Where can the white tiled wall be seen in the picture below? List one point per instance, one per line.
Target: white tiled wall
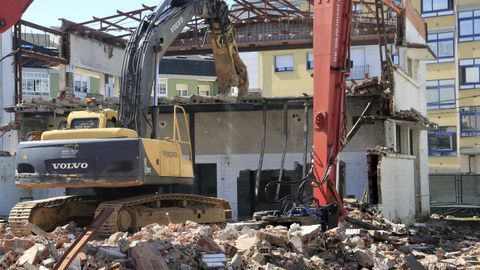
(357, 174)
(229, 167)
(397, 188)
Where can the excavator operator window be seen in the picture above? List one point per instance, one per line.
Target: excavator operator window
(84, 123)
(111, 123)
(62, 125)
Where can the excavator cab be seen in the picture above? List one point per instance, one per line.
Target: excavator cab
(93, 119)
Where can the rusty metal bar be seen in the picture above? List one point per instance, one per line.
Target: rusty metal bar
(133, 12)
(45, 57)
(82, 240)
(43, 28)
(17, 47)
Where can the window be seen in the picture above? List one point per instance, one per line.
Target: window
(310, 60)
(81, 85)
(442, 44)
(469, 25)
(204, 90)
(62, 125)
(432, 8)
(469, 73)
(84, 123)
(36, 84)
(357, 8)
(284, 63)
(181, 90)
(398, 139)
(470, 121)
(109, 86)
(162, 88)
(443, 143)
(441, 94)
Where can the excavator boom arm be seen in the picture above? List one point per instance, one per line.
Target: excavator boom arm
(150, 42)
(331, 48)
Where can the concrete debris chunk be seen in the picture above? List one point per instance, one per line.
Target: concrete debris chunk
(146, 257)
(48, 262)
(363, 259)
(9, 259)
(275, 238)
(110, 253)
(31, 255)
(213, 261)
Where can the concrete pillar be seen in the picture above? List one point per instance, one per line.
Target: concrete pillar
(9, 140)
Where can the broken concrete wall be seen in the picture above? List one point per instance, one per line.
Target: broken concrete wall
(369, 135)
(356, 172)
(95, 55)
(408, 93)
(396, 176)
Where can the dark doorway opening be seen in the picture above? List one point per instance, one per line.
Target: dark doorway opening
(205, 182)
(206, 179)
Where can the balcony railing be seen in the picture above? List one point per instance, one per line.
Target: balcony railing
(358, 72)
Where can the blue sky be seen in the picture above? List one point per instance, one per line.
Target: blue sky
(47, 12)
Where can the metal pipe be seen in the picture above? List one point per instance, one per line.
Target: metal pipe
(284, 153)
(262, 151)
(156, 110)
(305, 138)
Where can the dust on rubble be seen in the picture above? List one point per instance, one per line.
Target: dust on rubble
(364, 240)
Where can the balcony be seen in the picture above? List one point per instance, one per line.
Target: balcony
(358, 72)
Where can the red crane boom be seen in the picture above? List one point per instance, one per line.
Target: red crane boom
(11, 11)
(331, 48)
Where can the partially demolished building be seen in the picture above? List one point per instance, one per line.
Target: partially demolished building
(242, 144)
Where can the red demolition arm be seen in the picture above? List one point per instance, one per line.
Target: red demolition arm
(11, 11)
(331, 47)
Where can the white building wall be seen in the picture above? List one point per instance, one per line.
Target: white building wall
(229, 167)
(95, 55)
(412, 34)
(7, 85)
(372, 59)
(407, 93)
(251, 60)
(232, 140)
(397, 188)
(356, 172)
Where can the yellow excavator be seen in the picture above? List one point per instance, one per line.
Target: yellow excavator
(105, 155)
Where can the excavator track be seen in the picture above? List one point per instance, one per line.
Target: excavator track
(23, 212)
(135, 212)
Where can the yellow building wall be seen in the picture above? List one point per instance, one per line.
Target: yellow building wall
(468, 50)
(287, 83)
(441, 71)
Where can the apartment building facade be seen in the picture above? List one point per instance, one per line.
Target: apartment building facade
(453, 96)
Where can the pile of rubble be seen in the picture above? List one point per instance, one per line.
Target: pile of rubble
(363, 240)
